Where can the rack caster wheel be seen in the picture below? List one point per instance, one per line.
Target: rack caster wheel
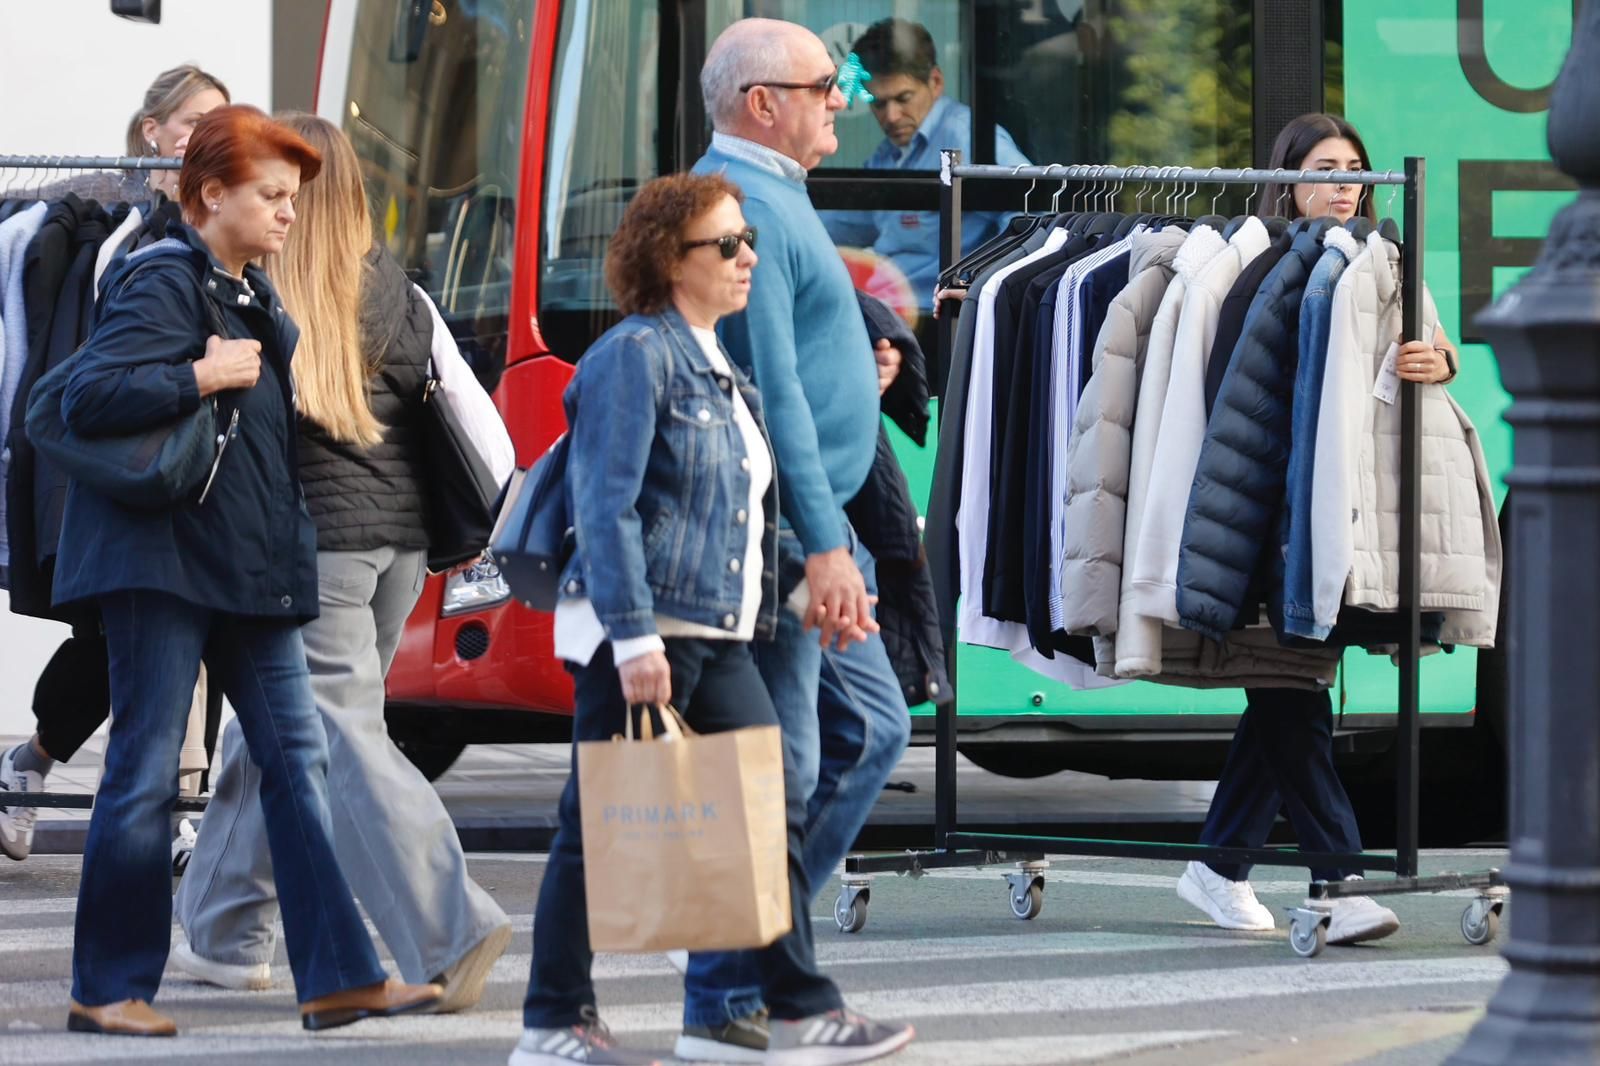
(1480, 922)
(1027, 889)
(850, 909)
(1029, 903)
(1308, 931)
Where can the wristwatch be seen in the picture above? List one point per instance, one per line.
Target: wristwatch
(1449, 362)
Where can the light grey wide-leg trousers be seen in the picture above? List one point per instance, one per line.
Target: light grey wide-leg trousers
(394, 838)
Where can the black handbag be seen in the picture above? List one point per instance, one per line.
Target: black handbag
(151, 469)
(534, 538)
(463, 494)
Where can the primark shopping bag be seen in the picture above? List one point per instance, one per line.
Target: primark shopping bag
(685, 843)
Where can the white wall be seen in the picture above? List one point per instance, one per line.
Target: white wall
(71, 75)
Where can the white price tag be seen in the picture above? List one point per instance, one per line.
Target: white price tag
(1387, 387)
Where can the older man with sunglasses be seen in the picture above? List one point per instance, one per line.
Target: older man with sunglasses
(771, 90)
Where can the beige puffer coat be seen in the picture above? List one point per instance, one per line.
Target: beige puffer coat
(1100, 449)
(1356, 474)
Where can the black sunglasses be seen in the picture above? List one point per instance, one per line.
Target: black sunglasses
(728, 243)
(821, 85)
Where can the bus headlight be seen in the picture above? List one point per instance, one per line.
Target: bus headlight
(476, 588)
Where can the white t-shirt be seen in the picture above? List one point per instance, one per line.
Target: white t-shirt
(578, 629)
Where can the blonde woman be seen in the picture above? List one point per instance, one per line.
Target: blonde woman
(365, 339)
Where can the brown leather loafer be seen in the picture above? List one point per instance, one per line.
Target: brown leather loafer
(131, 1017)
(372, 1001)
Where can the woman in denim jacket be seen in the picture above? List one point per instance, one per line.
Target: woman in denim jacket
(674, 504)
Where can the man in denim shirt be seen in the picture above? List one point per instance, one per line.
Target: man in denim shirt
(918, 120)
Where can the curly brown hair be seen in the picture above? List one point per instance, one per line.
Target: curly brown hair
(649, 239)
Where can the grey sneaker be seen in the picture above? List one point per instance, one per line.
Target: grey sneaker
(741, 1040)
(16, 823)
(834, 1038)
(588, 1042)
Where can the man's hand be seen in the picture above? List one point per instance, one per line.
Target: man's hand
(840, 606)
(889, 360)
(646, 679)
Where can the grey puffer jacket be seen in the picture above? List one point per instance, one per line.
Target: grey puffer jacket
(1100, 448)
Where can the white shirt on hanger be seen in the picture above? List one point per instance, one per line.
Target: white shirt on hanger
(972, 511)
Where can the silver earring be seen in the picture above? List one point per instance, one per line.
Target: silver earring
(154, 148)
(216, 207)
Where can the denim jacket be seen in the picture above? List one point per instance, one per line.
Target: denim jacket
(658, 483)
(1316, 309)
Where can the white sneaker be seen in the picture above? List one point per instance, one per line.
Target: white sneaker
(679, 960)
(240, 978)
(16, 823)
(1231, 904)
(1359, 918)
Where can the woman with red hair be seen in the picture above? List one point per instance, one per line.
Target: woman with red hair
(227, 573)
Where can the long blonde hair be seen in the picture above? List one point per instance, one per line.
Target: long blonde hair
(320, 275)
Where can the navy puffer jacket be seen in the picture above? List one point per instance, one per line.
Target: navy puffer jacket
(1239, 483)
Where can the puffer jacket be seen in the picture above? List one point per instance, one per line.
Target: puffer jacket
(1234, 504)
(1099, 451)
(1139, 637)
(1183, 423)
(1357, 472)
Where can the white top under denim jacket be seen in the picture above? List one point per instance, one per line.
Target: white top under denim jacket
(578, 629)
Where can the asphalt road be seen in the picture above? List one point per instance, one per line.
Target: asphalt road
(1116, 968)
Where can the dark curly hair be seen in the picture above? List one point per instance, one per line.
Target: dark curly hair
(649, 239)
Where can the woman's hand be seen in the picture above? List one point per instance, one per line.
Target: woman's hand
(646, 679)
(234, 364)
(1425, 363)
(947, 294)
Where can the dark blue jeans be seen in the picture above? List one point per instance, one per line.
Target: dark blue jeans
(124, 921)
(845, 725)
(716, 687)
(1282, 757)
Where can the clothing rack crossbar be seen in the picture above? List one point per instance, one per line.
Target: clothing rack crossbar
(89, 162)
(1203, 175)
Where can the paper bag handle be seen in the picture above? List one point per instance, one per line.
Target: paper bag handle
(672, 724)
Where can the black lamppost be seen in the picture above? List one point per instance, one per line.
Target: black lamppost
(1546, 333)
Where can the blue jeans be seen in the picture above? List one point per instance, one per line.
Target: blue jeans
(124, 919)
(845, 724)
(717, 687)
(1282, 756)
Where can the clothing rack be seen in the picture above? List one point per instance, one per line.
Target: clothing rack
(954, 848)
(76, 800)
(89, 162)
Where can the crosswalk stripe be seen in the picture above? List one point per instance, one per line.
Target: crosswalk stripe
(513, 969)
(1139, 990)
(1059, 1050)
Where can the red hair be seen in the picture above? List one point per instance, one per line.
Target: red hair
(225, 145)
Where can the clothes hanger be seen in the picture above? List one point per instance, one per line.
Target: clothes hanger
(1017, 229)
(1214, 220)
(1388, 229)
(1237, 221)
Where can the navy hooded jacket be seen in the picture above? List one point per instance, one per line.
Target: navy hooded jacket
(250, 548)
(1239, 483)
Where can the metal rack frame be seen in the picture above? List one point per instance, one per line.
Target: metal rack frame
(1309, 923)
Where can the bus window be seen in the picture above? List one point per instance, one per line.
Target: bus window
(1048, 81)
(602, 148)
(434, 107)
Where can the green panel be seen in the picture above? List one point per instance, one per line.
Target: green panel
(1405, 90)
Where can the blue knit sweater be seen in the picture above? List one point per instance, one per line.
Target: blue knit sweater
(803, 340)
